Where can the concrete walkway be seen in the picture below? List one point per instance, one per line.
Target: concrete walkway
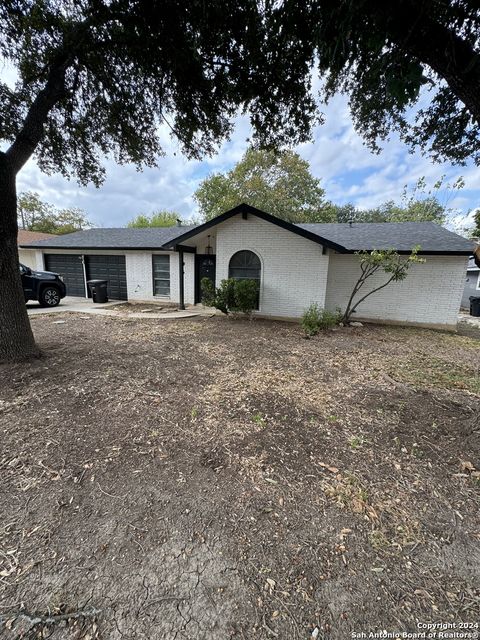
(85, 306)
(468, 326)
(466, 319)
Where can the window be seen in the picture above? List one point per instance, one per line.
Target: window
(244, 265)
(161, 275)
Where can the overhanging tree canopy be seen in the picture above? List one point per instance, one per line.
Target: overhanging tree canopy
(382, 54)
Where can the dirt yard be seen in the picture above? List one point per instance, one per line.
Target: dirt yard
(211, 479)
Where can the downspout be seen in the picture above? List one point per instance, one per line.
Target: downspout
(181, 273)
(84, 275)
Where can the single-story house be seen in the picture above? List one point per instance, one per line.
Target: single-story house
(295, 264)
(472, 283)
(27, 256)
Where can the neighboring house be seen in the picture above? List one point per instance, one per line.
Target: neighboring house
(27, 256)
(295, 264)
(472, 283)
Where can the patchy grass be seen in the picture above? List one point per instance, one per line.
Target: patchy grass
(434, 371)
(211, 478)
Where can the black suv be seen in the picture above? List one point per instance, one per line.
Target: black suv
(46, 287)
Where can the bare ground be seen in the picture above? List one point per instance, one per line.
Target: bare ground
(214, 479)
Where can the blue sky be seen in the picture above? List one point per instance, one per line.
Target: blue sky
(348, 170)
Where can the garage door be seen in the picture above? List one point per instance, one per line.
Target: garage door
(111, 268)
(70, 267)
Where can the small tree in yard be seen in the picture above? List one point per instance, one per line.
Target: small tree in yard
(371, 262)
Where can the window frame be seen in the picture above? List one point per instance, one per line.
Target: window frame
(258, 279)
(155, 279)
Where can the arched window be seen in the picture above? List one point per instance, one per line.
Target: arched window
(244, 265)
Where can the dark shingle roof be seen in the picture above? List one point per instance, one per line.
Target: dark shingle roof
(401, 236)
(116, 238)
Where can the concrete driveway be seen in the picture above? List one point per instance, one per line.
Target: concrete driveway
(70, 304)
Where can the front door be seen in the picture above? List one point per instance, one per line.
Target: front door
(204, 268)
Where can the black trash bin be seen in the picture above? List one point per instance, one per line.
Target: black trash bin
(98, 289)
(474, 306)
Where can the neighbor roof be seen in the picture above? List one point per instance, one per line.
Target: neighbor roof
(343, 237)
(115, 238)
(25, 237)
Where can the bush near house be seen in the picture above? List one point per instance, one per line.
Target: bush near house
(315, 319)
(232, 296)
(208, 292)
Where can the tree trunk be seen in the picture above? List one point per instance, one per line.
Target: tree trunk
(16, 337)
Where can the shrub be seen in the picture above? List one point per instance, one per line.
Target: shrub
(234, 296)
(315, 319)
(207, 289)
(246, 295)
(225, 296)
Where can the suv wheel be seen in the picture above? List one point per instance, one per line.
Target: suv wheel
(49, 297)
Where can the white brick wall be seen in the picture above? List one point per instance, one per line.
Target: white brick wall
(140, 280)
(40, 265)
(430, 294)
(294, 271)
(27, 257)
(139, 273)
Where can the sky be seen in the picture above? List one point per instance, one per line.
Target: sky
(349, 172)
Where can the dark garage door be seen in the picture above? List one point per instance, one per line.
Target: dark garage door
(70, 268)
(111, 268)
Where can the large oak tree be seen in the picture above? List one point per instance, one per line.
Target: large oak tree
(96, 78)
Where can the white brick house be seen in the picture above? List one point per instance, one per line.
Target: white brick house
(294, 264)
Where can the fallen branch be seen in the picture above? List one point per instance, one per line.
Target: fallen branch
(34, 620)
(110, 495)
(396, 383)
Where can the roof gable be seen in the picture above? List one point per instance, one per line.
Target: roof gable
(247, 209)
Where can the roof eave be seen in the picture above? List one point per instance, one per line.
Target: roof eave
(407, 252)
(91, 248)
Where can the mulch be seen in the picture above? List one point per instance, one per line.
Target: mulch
(216, 478)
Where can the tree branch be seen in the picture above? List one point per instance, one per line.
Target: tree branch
(32, 131)
(370, 293)
(54, 90)
(412, 27)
